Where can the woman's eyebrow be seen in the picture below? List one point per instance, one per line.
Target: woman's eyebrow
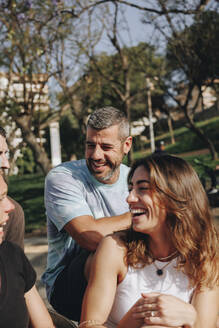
(143, 181)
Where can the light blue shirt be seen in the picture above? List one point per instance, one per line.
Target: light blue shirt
(71, 191)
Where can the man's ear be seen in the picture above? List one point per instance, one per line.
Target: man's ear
(127, 145)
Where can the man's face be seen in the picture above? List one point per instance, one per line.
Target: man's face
(4, 154)
(104, 153)
(6, 205)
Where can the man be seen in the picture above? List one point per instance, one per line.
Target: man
(85, 200)
(160, 148)
(14, 228)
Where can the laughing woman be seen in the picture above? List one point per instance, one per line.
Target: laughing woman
(164, 271)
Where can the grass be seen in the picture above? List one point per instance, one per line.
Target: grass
(187, 141)
(28, 190)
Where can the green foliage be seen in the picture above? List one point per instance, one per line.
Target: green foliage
(26, 163)
(195, 50)
(186, 140)
(28, 190)
(104, 80)
(72, 138)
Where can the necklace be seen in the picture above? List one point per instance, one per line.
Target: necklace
(159, 271)
(167, 257)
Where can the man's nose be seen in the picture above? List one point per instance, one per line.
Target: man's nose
(97, 153)
(9, 206)
(4, 163)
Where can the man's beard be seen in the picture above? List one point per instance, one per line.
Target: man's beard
(113, 169)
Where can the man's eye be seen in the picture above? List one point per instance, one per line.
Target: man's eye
(107, 147)
(90, 146)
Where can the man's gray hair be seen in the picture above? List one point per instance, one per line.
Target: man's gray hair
(106, 117)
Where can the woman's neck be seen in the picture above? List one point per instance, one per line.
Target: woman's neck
(161, 246)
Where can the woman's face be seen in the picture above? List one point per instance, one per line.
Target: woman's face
(148, 215)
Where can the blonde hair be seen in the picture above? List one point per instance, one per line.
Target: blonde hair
(189, 219)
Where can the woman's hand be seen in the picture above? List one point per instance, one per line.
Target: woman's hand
(164, 310)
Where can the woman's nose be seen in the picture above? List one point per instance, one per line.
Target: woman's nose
(132, 197)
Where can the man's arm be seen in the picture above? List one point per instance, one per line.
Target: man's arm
(88, 232)
(67, 206)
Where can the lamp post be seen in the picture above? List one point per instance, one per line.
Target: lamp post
(149, 87)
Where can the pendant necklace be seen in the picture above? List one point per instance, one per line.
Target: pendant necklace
(159, 271)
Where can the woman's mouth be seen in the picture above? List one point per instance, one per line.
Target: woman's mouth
(138, 211)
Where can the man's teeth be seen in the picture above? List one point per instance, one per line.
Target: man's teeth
(96, 164)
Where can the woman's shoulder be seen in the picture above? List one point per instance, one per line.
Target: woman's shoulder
(111, 253)
(112, 246)
(116, 241)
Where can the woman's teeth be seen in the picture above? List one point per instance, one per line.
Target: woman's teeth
(138, 211)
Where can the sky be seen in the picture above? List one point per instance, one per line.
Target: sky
(138, 31)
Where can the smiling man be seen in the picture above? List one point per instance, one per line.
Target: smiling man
(85, 200)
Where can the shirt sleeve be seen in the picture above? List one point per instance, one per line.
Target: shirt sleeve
(23, 266)
(29, 274)
(65, 198)
(14, 229)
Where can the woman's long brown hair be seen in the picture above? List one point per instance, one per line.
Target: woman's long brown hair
(177, 187)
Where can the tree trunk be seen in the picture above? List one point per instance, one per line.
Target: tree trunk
(170, 126)
(127, 100)
(40, 155)
(203, 137)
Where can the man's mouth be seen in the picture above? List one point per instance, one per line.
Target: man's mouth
(98, 164)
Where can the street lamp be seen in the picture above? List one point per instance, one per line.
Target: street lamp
(149, 87)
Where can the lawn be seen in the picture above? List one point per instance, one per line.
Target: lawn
(28, 190)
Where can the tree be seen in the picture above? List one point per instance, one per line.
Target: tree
(119, 78)
(192, 55)
(189, 29)
(30, 31)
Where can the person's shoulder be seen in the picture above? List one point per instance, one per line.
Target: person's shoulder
(114, 242)
(18, 207)
(67, 168)
(124, 170)
(12, 249)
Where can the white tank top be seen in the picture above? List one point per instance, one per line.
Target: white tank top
(146, 280)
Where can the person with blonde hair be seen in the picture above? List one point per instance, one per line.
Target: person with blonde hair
(164, 270)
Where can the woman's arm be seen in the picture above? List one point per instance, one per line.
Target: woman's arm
(108, 268)
(206, 304)
(39, 316)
